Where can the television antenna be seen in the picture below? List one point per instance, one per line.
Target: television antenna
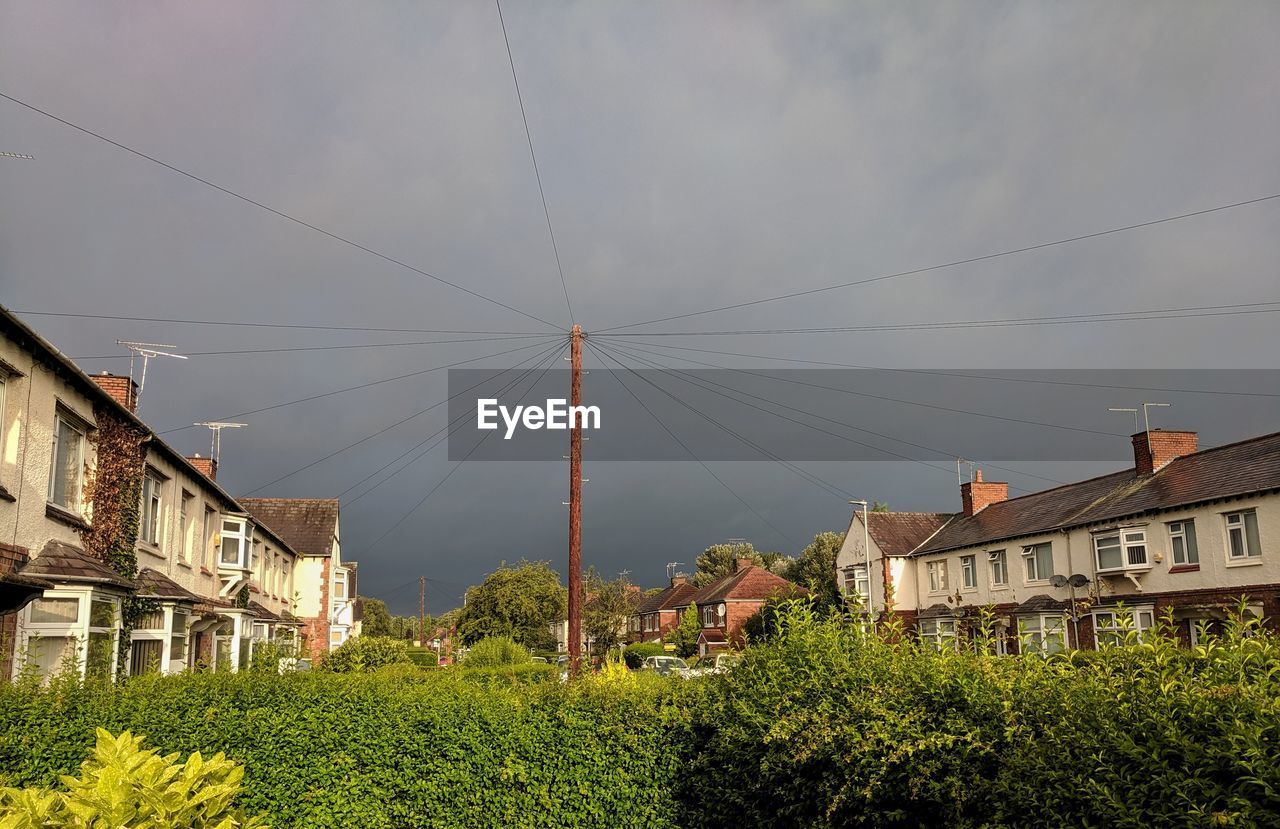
(216, 426)
(146, 351)
(4, 154)
(671, 569)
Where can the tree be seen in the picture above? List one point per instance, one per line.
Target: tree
(378, 621)
(606, 607)
(521, 602)
(685, 634)
(716, 561)
(815, 569)
(879, 506)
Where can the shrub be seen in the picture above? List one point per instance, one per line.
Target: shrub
(493, 651)
(526, 673)
(635, 655)
(123, 786)
(366, 653)
(424, 657)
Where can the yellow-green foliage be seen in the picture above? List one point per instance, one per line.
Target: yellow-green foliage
(124, 786)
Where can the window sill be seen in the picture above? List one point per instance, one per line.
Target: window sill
(1185, 568)
(64, 516)
(1252, 561)
(151, 550)
(185, 564)
(206, 571)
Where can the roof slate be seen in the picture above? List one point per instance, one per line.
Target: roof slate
(155, 585)
(898, 533)
(308, 525)
(752, 583)
(668, 598)
(1243, 468)
(59, 561)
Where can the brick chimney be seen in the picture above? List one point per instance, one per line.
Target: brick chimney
(679, 580)
(978, 494)
(208, 466)
(1154, 449)
(123, 389)
(740, 564)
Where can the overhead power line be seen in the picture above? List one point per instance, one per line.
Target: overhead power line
(238, 323)
(534, 156)
(335, 347)
(1067, 319)
(951, 264)
(286, 216)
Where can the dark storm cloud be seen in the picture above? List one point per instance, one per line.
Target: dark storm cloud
(694, 155)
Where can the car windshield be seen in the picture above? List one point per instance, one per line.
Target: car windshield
(670, 662)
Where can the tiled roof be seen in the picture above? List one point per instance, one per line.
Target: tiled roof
(712, 636)
(262, 613)
(668, 598)
(935, 611)
(63, 562)
(898, 533)
(155, 585)
(308, 525)
(1040, 603)
(751, 582)
(1243, 468)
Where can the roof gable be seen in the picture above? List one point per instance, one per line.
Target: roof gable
(308, 525)
(751, 583)
(898, 533)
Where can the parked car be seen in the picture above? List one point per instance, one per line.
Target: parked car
(666, 666)
(539, 660)
(719, 664)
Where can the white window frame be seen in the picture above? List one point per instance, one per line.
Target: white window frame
(1237, 525)
(969, 572)
(186, 525)
(339, 578)
(857, 583)
(74, 490)
(1031, 561)
(78, 631)
(1111, 626)
(239, 531)
(151, 525)
(1130, 542)
(1182, 534)
(999, 564)
(937, 572)
(939, 632)
(1033, 629)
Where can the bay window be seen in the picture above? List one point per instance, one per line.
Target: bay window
(940, 633)
(235, 543)
(1043, 634)
(1119, 550)
(73, 629)
(1113, 627)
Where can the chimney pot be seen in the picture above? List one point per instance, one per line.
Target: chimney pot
(978, 494)
(741, 564)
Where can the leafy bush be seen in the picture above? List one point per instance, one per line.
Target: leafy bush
(528, 672)
(635, 655)
(123, 786)
(424, 657)
(494, 651)
(366, 653)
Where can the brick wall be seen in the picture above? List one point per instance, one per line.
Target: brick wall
(977, 495)
(123, 389)
(316, 628)
(11, 558)
(1163, 447)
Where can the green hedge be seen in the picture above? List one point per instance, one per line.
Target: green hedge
(820, 726)
(393, 749)
(635, 655)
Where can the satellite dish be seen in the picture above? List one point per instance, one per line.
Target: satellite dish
(1078, 580)
(1058, 581)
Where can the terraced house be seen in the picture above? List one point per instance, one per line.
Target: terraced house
(95, 508)
(1184, 531)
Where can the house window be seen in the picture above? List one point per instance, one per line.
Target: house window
(66, 478)
(235, 543)
(186, 526)
(937, 576)
(286, 590)
(1043, 634)
(71, 630)
(857, 583)
(941, 633)
(969, 572)
(1113, 627)
(150, 529)
(178, 636)
(1242, 535)
(208, 532)
(712, 615)
(1121, 550)
(1039, 559)
(1182, 542)
(999, 568)
(335, 637)
(340, 585)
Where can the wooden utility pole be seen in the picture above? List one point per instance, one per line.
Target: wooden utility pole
(575, 504)
(422, 611)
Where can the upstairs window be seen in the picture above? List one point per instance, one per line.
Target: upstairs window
(149, 531)
(1182, 542)
(66, 477)
(969, 572)
(340, 585)
(235, 543)
(1242, 535)
(209, 533)
(186, 526)
(999, 568)
(1121, 550)
(937, 576)
(859, 585)
(1039, 561)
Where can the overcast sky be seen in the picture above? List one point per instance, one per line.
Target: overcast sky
(693, 155)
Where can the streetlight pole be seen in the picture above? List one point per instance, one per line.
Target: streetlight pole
(866, 556)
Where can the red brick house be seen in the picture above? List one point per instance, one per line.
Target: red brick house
(659, 614)
(727, 603)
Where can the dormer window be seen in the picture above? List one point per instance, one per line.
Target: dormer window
(235, 543)
(1120, 550)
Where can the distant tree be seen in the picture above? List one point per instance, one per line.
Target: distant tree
(778, 563)
(378, 621)
(716, 561)
(879, 506)
(685, 634)
(815, 568)
(521, 602)
(606, 606)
